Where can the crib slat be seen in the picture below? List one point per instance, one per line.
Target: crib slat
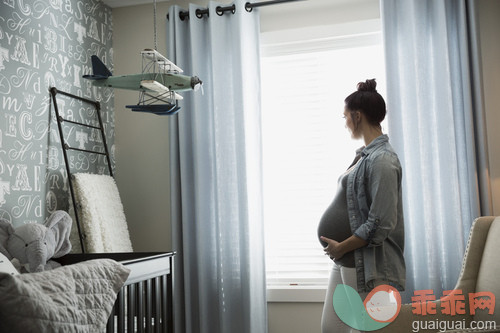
(121, 311)
(140, 307)
(110, 326)
(130, 308)
(170, 298)
(148, 302)
(157, 304)
(163, 297)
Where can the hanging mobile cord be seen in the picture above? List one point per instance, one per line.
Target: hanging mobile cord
(154, 22)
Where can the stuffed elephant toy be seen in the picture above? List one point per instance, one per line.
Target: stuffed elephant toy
(33, 245)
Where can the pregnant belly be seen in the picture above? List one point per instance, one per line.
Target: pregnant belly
(334, 223)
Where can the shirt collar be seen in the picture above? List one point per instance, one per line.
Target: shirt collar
(380, 140)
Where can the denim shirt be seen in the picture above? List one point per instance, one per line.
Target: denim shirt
(375, 207)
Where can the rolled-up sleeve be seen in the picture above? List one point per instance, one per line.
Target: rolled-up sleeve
(382, 188)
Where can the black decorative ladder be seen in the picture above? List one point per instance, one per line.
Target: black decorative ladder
(66, 147)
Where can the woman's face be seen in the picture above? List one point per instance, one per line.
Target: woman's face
(350, 123)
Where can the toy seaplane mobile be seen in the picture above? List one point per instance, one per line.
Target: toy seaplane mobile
(158, 84)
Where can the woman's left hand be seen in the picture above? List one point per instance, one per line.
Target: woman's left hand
(333, 249)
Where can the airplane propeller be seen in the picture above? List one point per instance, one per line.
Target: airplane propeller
(196, 83)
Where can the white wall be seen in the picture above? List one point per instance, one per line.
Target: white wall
(316, 13)
(142, 139)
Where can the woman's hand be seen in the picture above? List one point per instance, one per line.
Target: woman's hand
(336, 250)
(333, 249)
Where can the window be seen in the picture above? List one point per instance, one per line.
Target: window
(306, 146)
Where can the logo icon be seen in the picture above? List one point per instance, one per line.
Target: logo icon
(380, 308)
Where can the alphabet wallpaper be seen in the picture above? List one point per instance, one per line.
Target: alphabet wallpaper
(44, 44)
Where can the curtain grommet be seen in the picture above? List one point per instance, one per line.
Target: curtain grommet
(221, 10)
(201, 12)
(248, 7)
(184, 15)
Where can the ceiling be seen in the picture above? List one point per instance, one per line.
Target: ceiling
(300, 4)
(126, 3)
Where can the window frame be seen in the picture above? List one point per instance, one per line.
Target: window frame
(321, 38)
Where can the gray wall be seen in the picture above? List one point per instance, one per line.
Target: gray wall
(43, 44)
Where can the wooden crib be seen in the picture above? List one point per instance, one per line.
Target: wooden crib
(145, 302)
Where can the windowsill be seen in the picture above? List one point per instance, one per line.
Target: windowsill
(306, 294)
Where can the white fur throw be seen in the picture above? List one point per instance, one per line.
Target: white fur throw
(101, 214)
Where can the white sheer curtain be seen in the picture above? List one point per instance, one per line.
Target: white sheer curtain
(216, 174)
(435, 116)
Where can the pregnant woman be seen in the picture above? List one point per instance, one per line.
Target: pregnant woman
(362, 230)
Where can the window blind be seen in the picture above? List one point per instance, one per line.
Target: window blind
(306, 146)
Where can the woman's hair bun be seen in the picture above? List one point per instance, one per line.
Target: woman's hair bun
(367, 100)
(368, 85)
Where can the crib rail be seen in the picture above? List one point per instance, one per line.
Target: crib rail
(145, 303)
(142, 307)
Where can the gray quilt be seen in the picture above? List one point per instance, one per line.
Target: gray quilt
(73, 298)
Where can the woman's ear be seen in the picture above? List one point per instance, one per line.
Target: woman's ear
(356, 119)
(357, 115)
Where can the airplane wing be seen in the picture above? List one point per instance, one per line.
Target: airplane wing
(159, 88)
(162, 61)
(154, 86)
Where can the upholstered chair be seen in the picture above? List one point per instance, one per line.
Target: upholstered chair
(480, 273)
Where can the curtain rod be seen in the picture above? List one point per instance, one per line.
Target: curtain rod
(220, 10)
